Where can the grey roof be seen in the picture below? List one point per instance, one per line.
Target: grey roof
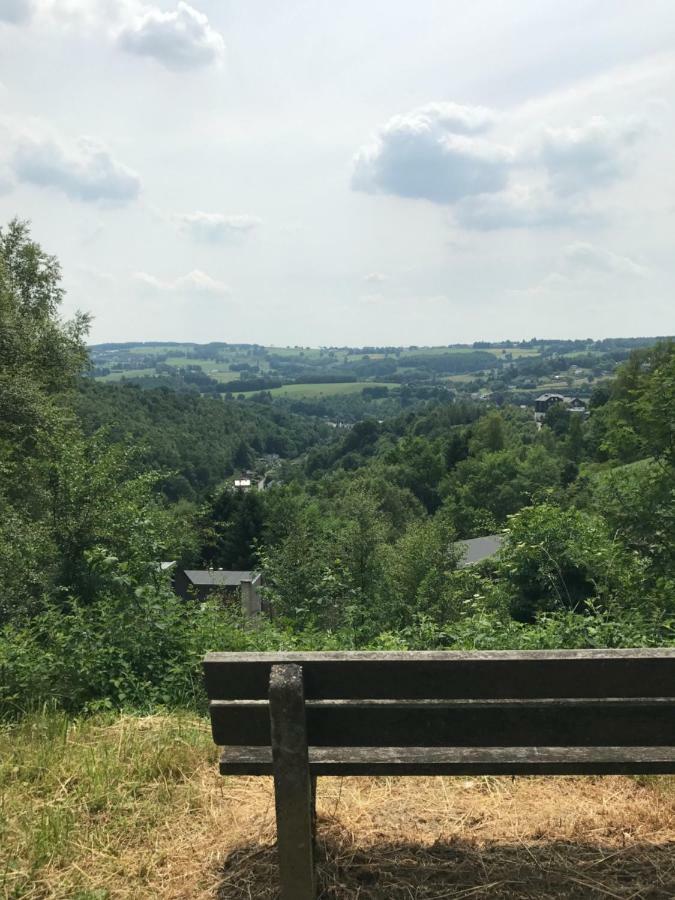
(477, 549)
(218, 577)
(550, 397)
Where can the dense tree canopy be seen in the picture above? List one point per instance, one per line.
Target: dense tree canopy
(356, 532)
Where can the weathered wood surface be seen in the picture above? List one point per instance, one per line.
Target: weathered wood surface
(462, 761)
(511, 723)
(450, 674)
(583, 712)
(293, 787)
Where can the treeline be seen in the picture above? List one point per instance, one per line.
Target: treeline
(196, 441)
(360, 538)
(356, 538)
(453, 363)
(585, 506)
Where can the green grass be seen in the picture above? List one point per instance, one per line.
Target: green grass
(517, 354)
(297, 391)
(132, 808)
(307, 352)
(582, 354)
(183, 361)
(217, 371)
(221, 374)
(463, 379)
(561, 387)
(435, 351)
(161, 348)
(178, 357)
(77, 797)
(497, 352)
(131, 373)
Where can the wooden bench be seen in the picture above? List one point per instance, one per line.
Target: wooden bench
(299, 715)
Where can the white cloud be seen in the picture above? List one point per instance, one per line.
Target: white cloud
(451, 117)
(215, 227)
(98, 276)
(433, 153)
(6, 184)
(196, 144)
(589, 156)
(583, 257)
(437, 153)
(86, 171)
(372, 299)
(409, 304)
(520, 206)
(195, 282)
(78, 14)
(566, 165)
(584, 268)
(182, 39)
(374, 278)
(16, 12)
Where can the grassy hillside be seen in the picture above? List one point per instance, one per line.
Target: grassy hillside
(297, 391)
(506, 370)
(129, 807)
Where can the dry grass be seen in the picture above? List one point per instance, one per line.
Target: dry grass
(134, 808)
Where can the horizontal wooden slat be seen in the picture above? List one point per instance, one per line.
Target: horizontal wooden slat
(462, 761)
(439, 675)
(509, 723)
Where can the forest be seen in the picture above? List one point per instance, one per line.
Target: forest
(356, 533)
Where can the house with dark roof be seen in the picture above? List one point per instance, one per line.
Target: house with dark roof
(475, 550)
(545, 401)
(200, 584)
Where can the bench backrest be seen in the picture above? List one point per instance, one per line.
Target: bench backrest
(582, 698)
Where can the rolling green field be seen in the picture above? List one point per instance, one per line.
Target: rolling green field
(461, 379)
(223, 364)
(297, 391)
(134, 373)
(220, 374)
(496, 351)
(517, 353)
(307, 352)
(182, 360)
(144, 350)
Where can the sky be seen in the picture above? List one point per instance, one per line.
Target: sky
(362, 172)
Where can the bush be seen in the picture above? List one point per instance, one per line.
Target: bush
(139, 651)
(556, 560)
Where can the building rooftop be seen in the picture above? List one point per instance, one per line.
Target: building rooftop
(548, 396)
(218, 577)
(477, 549)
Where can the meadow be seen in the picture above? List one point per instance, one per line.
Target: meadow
(124, 807)
(297, 391)
(288, 371)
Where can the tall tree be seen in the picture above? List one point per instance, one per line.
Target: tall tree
(40, 355)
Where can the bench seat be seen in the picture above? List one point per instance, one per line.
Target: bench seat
(461, 761)
(557, 712)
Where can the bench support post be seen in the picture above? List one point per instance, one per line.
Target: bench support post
(293, 787)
